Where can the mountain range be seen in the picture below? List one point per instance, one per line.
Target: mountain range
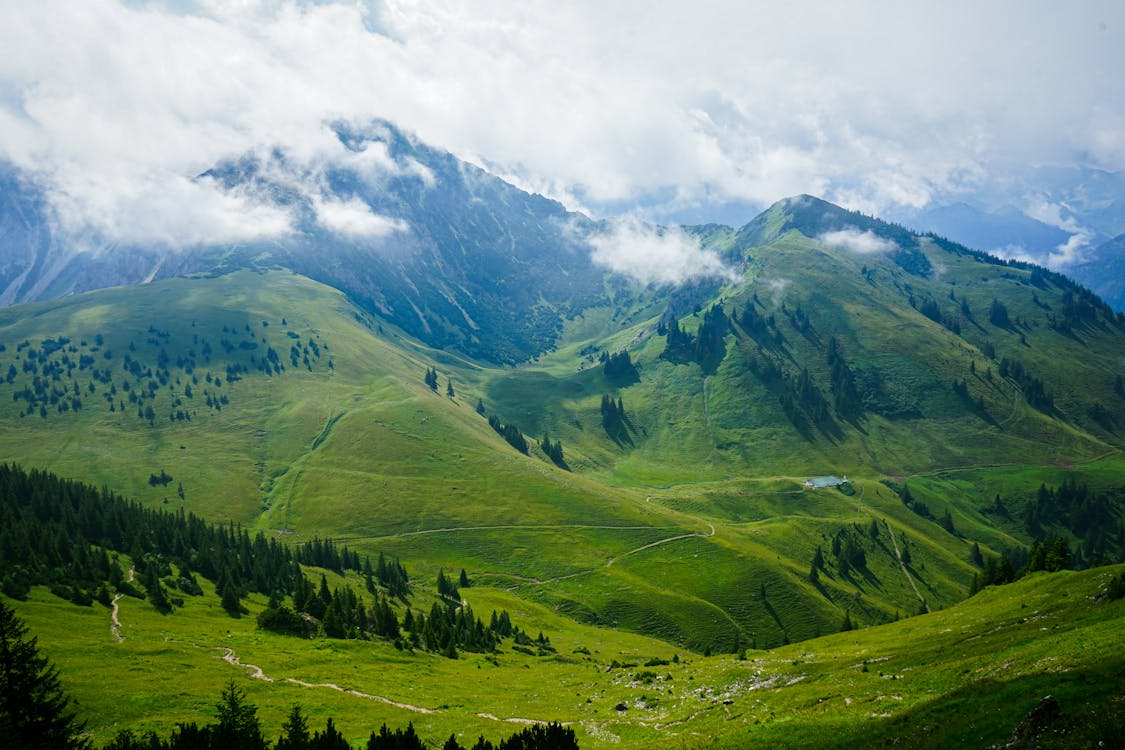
(482, 380)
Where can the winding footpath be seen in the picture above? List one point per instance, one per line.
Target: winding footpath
(612, 560)
(901, 564)
(115, 622)
(257, 673)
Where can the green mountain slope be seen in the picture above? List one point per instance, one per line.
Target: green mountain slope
(964, 677)
(687, 522)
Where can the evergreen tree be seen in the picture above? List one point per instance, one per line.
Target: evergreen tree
(975, 556)
(295, 731)
(33, 706)
(238, 727)
(449, 388)
(947, 522)
(330, 738)
(230, 599)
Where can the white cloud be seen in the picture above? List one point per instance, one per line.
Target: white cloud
(1055, 214)
(1015, 252)
(601, 105)
(653, 254)
(777, 286)
(354, 218)
(164, 211)
(853, 240)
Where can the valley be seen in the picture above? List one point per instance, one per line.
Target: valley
(634, 491)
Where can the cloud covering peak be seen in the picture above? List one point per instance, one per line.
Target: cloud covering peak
(862, 242)
(652, 254)
(601, 106)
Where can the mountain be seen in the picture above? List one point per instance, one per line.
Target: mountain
(470, 390)
(471, 262)
(1103, 270)
(848, 346)
(1008, 231)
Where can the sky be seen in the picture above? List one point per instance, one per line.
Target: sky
(664, 111)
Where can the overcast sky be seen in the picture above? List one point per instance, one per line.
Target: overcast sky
(656, 109)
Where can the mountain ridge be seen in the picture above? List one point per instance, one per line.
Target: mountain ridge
(459, 258)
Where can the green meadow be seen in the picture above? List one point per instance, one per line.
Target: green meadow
(680, 535)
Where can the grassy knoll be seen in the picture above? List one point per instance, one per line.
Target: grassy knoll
(671, 525)
(963, 677)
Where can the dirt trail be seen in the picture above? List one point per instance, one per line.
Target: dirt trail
(358, 694)
(657, 543)
(612, 560)
(256, 672)
(516, 720)
(115, 622)
(901, 564)
(514, 527)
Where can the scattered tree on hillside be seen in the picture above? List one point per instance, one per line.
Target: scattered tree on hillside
(238, 726)
(619, 369)
(509, 432)
(449, 388)
(615, 421)
(553, 451)
(947, 522)
(998, 314)
(975, 556)
(446, 587)
(845, 395)
(431, 378)
(295, 731)
(33, 706)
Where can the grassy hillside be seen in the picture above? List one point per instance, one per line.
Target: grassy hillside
(688, 523)
(964, 677)
(973, 405)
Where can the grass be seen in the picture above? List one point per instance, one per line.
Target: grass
(659, 544)
(364, 451)
(963, 677)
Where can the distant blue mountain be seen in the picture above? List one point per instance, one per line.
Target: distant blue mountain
(992, 232)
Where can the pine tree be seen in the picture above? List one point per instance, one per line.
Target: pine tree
(33, 706)
(330, 738)
(975, 556)
(295, 731)
(238, 727)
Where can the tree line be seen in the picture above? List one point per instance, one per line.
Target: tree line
(236, 727)
(36, 712)
(61, 533)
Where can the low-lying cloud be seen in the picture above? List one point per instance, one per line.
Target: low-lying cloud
(856, 241)
(140, 95)
(652, 254)
(354, 218)
(159, 210)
